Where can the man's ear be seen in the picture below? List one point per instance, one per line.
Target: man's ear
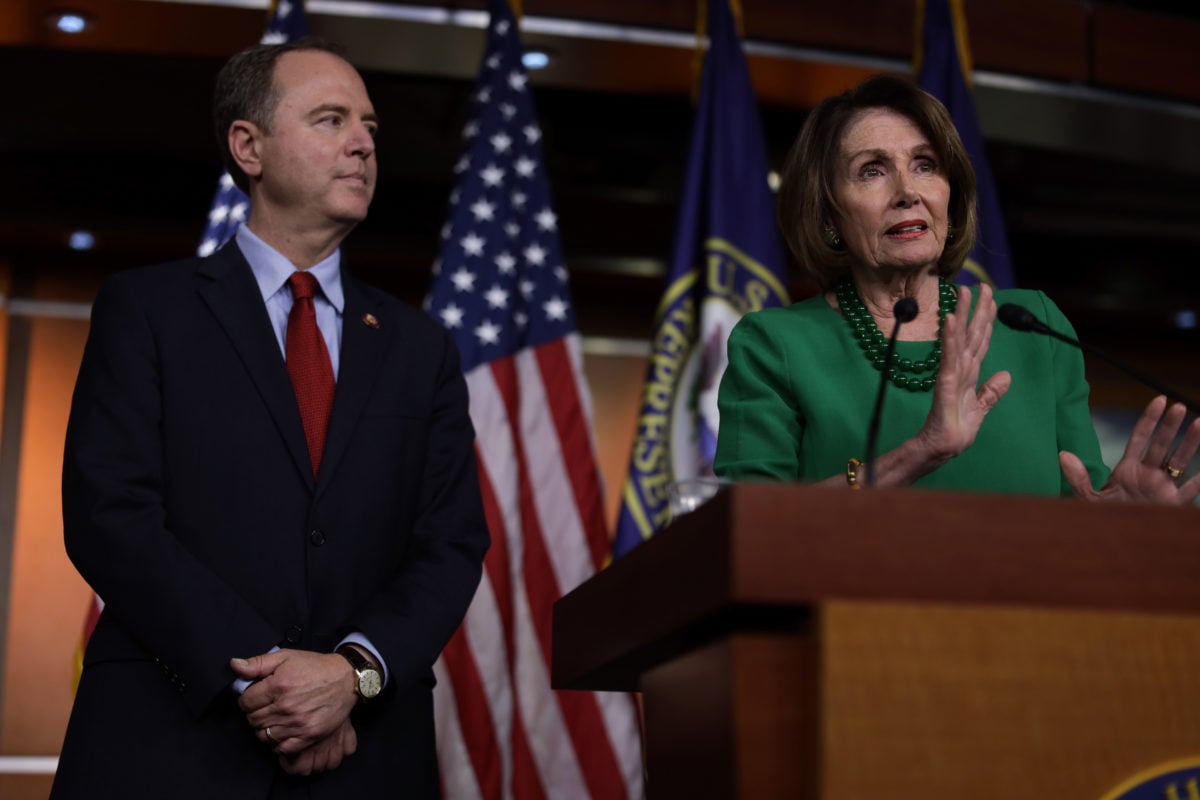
(245, 139)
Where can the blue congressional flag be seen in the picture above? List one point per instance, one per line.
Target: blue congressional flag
(943, 65)
(728, 260)
(230, 205)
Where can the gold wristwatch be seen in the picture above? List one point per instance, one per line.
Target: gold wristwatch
(368, 681)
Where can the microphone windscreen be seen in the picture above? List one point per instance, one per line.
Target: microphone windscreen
(1017, 317)
(905, 309)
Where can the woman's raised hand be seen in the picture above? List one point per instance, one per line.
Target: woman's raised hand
(959, 404)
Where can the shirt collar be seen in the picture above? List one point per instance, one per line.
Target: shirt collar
(272, 269)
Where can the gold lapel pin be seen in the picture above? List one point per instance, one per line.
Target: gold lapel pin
(370, 321)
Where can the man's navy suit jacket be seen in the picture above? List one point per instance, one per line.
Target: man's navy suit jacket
(190, 506)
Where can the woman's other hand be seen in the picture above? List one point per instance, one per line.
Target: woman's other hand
(1148, 472)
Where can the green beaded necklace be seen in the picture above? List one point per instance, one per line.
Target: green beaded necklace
(915, 376)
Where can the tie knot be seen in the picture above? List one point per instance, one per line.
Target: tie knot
(303, 285)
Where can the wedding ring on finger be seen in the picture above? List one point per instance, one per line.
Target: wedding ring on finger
(270, 738)
(1174, 472)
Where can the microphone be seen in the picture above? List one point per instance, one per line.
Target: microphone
(1020, 318)
(905, 310)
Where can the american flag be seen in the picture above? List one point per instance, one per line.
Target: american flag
(501, 287)
(230, 205)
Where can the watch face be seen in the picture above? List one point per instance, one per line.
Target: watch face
(369, 683)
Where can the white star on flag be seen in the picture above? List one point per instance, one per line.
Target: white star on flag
(452, 316)
(463, 281)
(492, 175)
(472, 244)
(501, 142)
(483, 211)
(496, 297)
(488, 332)
(555, 308)
(546, 219)
(525, 167)
(535, 255)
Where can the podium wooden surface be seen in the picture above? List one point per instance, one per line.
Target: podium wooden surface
(803, 642)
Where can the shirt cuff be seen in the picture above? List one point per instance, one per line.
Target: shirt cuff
(365, 643)
(240, 685)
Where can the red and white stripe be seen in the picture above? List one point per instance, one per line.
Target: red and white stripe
(502, 732)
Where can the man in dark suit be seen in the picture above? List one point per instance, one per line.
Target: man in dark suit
(271, 481)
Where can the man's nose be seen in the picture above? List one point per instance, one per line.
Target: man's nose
(361, 143)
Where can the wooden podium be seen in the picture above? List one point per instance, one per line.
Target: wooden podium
(802, 642)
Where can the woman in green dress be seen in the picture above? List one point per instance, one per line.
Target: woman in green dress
(877, 202)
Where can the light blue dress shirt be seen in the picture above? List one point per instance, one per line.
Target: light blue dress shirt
(271, 272)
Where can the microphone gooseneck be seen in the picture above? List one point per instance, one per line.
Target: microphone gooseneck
(1020, 318)
(905, 310)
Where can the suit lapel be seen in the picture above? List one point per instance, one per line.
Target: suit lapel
(234, 299)
(363, 347)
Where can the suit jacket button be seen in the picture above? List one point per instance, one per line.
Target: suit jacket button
(293, 634)
(317, 537)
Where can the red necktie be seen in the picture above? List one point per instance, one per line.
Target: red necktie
(309, 365)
